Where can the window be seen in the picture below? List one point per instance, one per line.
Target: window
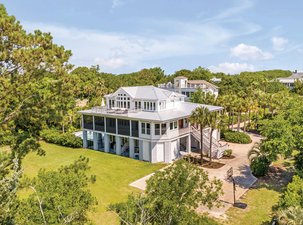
(175, 125)
(148, 128)
(143, 128)
(88, 122)
(111, 125)
(124, 127)
(157, 129)
(135, 128)
(171, 125)
(99, 123)
(163, 128)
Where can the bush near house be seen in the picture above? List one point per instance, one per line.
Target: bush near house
(260, 166)
(64, 139)
(236, 137)
(228, 153)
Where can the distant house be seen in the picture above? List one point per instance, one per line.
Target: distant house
(216, 80)
(186, 87)
(146, 123)
(290, 81)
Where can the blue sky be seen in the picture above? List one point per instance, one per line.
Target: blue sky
(128, 35)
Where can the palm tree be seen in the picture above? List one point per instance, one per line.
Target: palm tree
(214, 123)
(255, 152)
(291, 216)
(200, 116)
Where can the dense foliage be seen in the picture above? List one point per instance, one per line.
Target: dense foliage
(293, 195)
(64, 139)
(58, 197)
(171, 197)
(236, 137)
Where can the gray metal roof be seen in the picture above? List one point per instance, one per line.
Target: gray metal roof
(148, 92)
(183, 110)
(296, 76)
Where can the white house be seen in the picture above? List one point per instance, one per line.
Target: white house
(186, 87)
(290, 81)
(145, 122)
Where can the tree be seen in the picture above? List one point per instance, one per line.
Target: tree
(58, 197)
(9, 182)
(201, 97)
(214, 123)
(31, 68)
(259, 162)
(293, 195)
(200, 116)
(291, 215)
(171, 197)
(279, 137)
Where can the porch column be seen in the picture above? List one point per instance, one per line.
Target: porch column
(118, 145)
(188, 144)
(84, 139)
(131, 148)
(106, 143)
(95, 139)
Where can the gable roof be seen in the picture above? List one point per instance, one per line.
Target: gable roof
(147, 92)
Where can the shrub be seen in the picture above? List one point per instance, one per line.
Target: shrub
(236, 137)
(299, 161)
(64, 139)
(228, 153)
(293, 195)
(259, 166)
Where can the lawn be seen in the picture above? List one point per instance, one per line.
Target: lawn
(114, 173)
(259, 208)
(263, 197)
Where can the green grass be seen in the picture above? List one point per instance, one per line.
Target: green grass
(259, 208)
(114, 174)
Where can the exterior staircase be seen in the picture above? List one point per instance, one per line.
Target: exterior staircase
(217, 148)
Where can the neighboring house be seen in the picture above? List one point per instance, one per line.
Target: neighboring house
(186, 87)
(290, 81)
(216, 80)
(145, 122)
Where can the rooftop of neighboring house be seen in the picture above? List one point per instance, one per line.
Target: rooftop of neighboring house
(295, 76)
(201, 82)
(187, 83)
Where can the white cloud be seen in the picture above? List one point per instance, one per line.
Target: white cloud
(124, 52)
(249, 52)
(117, 3)
(279, 43)
(232, 68)
(242, 6)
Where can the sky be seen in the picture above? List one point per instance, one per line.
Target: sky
(124, 36)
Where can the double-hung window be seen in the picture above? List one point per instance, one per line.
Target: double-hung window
(157, 129)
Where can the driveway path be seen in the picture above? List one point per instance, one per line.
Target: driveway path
(242, 175)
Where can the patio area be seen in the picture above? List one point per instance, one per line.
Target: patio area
(241, 173)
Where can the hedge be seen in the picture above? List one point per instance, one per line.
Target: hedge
(236, 137)
(64, 139)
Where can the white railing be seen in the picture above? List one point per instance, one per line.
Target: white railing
(217, 148)
(115, 110)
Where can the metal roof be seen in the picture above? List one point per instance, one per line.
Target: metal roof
(182, 110)
(147, 92)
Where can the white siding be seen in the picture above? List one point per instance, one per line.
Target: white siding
(174, 150)
(146, 151)
(160, 152)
